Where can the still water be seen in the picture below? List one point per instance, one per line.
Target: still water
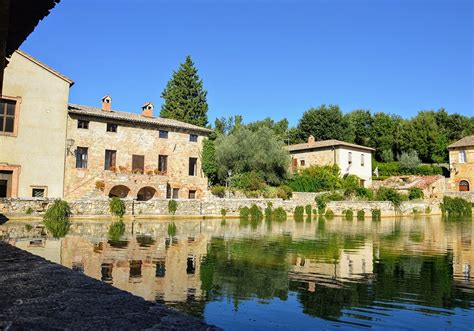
(316, 274)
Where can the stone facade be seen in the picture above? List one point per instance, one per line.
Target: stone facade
(352, 159)
(461, 161)
(132, 134)
(32, 151)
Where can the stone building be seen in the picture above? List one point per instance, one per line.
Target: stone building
(461, 163)
(351, 158)
(113, 153)
(32, 129)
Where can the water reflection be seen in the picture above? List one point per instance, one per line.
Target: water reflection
(391, 273)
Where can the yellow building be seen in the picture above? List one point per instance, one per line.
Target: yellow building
(461, 163)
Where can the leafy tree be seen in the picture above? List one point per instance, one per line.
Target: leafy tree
(185, 97)
(324, 123)
(409, 161)
(387, 155)
(280, 128)
(360, 124)
(382, 133)
(209, 163)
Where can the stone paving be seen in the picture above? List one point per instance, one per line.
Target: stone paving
(37, 294)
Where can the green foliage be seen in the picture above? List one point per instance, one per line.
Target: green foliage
(172, 206)
(360, 215)
(208, 161)
(308, 210)
(298, 214)
(279, 214)
(284, 192)
(245, 151)
(376, 214)
(409, 160)
(364, 193)
(456, 208)
(416, 213)
(387, 155)
(415, 193)
(329, 214)
(321, 203)
(316, 179)
(348, 214)
(184, 96)
(117, 207)
(218, 191)
(394, 169)
(116, 230)
(248, 181)
(390, 194)
(428, 210)
(334, 196)
(256, 214)
(172, 230)
(28, 227)
(324, 123)
(244, 213)
(223, 212)
(269, 212)
(29, 211)
(56, 218)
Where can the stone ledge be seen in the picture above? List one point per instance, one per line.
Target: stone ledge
(38, 294)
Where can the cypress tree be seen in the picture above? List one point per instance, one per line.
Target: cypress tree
(185, 98)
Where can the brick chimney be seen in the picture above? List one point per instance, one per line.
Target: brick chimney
(147, 109)
(106, 103)
(311, 140)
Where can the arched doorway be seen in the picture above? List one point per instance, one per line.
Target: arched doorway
(119, 191)
(146, 193)
(464, 186)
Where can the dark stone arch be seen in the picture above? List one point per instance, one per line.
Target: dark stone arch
(119, 191)
(146, 193)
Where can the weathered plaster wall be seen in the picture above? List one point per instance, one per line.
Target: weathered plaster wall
(43, 98)
(461, 171)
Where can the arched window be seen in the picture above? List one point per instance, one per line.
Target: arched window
(119, 191)
(464, 185)
(146, 193)
(462, 156)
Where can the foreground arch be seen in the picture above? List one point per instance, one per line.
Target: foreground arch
(146, 193)
(119, 191)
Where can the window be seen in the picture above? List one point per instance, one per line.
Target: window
(160, 268)
(362, 160)
(192, 166)
(193, 138)
(163, 134)
(81, 157)
(349, 158)
(192, 194)
(37, 192)
(462, 156)
(7, 116)
(191, 265)
(162, 164)
(176, 193)
(81, 124)
(138, 164)
(111, 127)
(302, 163)
(110, 159)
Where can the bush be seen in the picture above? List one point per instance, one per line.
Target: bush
(390, 194)
(172, 230)
(376, 214)
(321, 203)
(172, 207)
(268, 212)
(428, 210)
(28, 227)
(117, 207)
(329, 214)
(415, 193)
(116, 230)
(348, 214)
(308, 210)
(416, 212)
(223, 212)
(455, 208)
(334, 196)
(29, 211)
(395, 169)
(56, 218)
(256, 214)
(284, 192)
(360, 215)
(364, 193)
(316, 179)
(218, 191)
(244, 213)
(409, 161)
(350, 183)
(248, 181)
(279, 214)
(299, 213)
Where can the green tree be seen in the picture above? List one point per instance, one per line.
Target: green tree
(185, 97)
(208, 158)
(382, 133)
(324, 123)
(360, 124)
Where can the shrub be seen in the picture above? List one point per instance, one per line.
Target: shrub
(321, 203)
(298, 213)
(172, 230)
(223, 212)
(428, 210)
(376, 214)
(329, 214)
(100, 185)
(364, 193)
(315, 211)
(284, 192)
(410, 160)
(172, 207)
(350, 183)
(334, 196)
(387, 155)
(360, 215)
(28, 227)
(116, 230)
(279, 214)
(316, 179)
(455, 208)
(117, 207)
(308, 210)
(218, 191)
(248, 181)
(390, 194)
(268, 212)
(252, 194)
(244, 213)
(415, 193)
(416, 212)
(256, 214)
(56, 218)
(29, 211)
(348, 214)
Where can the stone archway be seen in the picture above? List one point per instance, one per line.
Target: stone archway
(146, 193)
(119, 191)
(464, 186)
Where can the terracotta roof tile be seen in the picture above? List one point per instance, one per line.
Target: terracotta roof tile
(325, 143)
(464, 142)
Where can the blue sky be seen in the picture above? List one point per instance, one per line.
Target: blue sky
(274, 58)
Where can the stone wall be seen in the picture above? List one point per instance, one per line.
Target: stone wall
(469, 196)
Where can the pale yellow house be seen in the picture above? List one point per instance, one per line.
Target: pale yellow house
(33, 120)
(461, 163)
(352, 159)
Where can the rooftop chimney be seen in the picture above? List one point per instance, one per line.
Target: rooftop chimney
(311, 140)
(106, 103)
(147, 109)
